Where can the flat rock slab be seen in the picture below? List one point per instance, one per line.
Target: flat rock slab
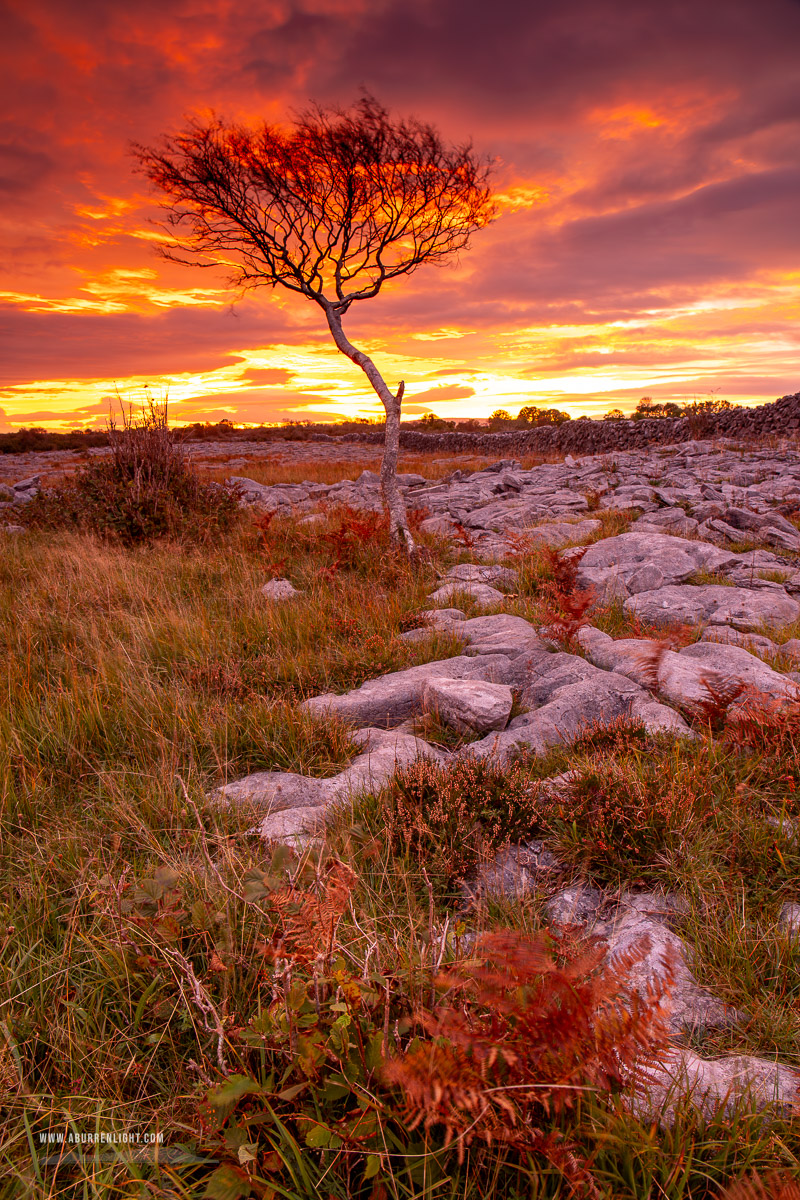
(482, 593)
(668, 520)
(390, 700)
(679, 677)
(713, 1085)
(756, 643)
(715, 604)
(501, 515)
(501, 633)
(296, 798)
(556, 534)
(483, 573)
(620, 558)
(439, 526)
(469, 705)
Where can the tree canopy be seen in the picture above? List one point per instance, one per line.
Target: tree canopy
(332, 208)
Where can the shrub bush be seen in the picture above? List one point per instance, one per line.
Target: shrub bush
(145, 489)
(449, 817)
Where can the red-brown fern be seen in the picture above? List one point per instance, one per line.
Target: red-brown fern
(308, 920)
(648, 662)
(566, 605)
(762, 723)
(714, 708)
(462, 535)
(522, 1038)
(777, 1186)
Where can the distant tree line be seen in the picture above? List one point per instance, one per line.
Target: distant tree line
(647, 408)
(22, 440)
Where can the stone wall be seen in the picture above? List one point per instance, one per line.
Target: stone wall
(598, 437)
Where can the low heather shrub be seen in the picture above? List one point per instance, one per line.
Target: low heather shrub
(449, 817)
(145, 489)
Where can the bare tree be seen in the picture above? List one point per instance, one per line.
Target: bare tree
(331, 208)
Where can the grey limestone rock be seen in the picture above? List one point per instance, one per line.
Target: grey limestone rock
(667, 520)
(279, 589)
(644, 920)
(737, 662)
(275, 791)
(391, 699)
(745, 609)
(23, 486)
(576, 905)
(573, 706)
(789, 919)
(280, 792)
(501, 515)
(501, 633)
(442, 526)
(563, 533)
(483, 573)
(645, 579)
(469, 705)
(482, 593)
(514, 872)
(791, 649)
(442, 618)
(292, 826)
(629, 553)
(713, 1085)
(746, 519)
(679, 677)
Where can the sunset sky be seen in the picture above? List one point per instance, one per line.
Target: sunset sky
(647, 164)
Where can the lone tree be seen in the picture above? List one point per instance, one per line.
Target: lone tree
(331, 208)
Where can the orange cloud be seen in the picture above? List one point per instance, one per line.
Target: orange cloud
(646, 176)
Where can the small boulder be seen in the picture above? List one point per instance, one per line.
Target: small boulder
(279, 589)
(481, 593)
(469, 705)
(789, 920)
(483, 573)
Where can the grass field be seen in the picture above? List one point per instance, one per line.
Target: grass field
(164, 973)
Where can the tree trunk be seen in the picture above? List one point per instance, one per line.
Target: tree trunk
(392, 496)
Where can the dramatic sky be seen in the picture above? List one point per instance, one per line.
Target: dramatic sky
(647, 160)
